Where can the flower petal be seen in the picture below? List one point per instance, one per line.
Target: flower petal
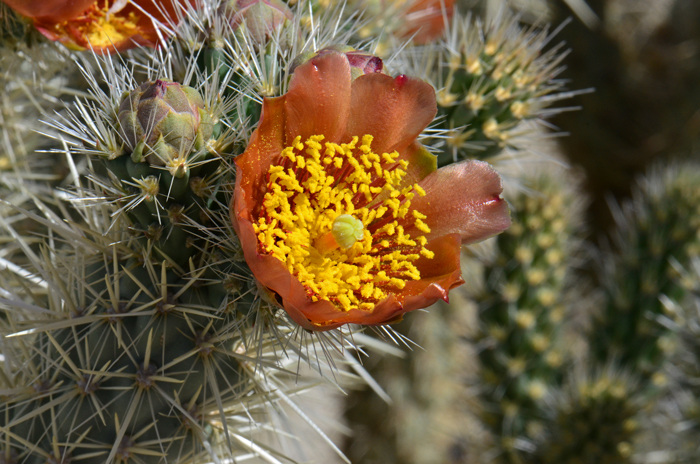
(463, 198)
(318, 100)
(393, 110)
(50, 11)
(266, 144)
(438, 275)
(323, 315)
(102, 25)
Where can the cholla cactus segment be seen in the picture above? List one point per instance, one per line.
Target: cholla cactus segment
(521, 311)
(107, 359)
(656, 235)
(130, 375)
(495, 81)
(157, 151)
(596, 421)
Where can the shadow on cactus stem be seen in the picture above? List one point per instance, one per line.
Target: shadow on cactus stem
(655, 237)
(643, 62)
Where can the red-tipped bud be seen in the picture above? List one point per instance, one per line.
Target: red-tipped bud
(361, 62)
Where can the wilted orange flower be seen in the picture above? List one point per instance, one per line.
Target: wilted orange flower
(341, 213)
(426, 19)
(102, 25)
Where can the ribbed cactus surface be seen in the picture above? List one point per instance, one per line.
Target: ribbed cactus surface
(118, 354)
(521, 309)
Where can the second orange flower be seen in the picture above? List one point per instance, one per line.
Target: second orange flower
(99, 24)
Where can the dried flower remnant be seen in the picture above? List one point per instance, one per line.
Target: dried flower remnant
(340, 211)
(99, 24)
(260, 17)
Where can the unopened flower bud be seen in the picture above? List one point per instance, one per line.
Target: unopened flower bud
(361, 62)
(164, 118)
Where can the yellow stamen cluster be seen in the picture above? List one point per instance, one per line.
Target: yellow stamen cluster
(315, 183)
(99, 28)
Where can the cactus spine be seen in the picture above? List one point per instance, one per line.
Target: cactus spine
(135, 332)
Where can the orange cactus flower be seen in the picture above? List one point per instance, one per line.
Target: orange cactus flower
(111, 25)
(341, 213)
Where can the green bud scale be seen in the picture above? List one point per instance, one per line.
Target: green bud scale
(164, 122)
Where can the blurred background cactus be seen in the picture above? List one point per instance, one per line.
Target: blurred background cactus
(521, 308)
(134, 332)
(574, 319)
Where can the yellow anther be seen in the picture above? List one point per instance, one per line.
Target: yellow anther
(422, 226)
(322, 236)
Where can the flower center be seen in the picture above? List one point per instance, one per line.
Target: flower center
(97, 27)
(336, 214)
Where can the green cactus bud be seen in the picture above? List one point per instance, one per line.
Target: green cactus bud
(162, 122)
